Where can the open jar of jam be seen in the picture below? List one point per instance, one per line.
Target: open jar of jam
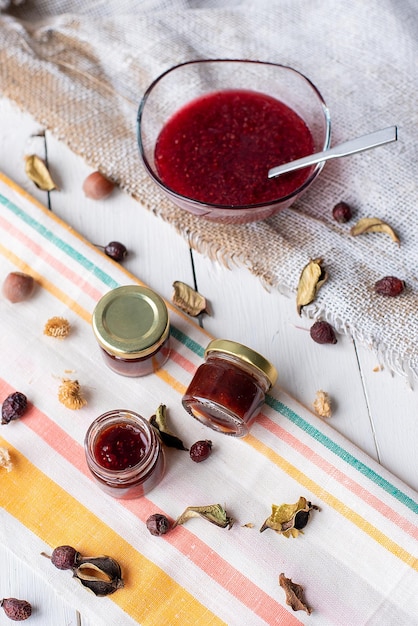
(132, 328)
(228, 390)
(124, 454)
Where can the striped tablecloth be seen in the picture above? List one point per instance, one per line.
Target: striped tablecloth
(357, 559)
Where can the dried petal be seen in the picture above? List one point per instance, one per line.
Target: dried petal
(159, 421)
(188, 300)
(57, 327)
(213, 513)
(5, 460)
(311, 279)
(102, 575)
(294, 594)
(289, 519)
(69, 394)
(373, 225)
(322, 404)
(37, 171)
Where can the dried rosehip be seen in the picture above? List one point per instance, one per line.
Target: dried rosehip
(342, 212)
(116, 251)
(200, 450)
(13, 407)
(323, 332)
(16, 610)
(389, 286)
(158, 524)
(64, 557)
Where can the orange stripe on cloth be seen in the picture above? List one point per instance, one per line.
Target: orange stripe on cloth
(334, 502)
(57, 518)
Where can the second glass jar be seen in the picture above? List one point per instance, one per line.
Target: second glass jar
(228, 390)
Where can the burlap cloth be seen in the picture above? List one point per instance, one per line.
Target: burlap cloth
(81, 69)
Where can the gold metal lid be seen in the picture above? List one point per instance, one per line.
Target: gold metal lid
(131, 321)
(246, 354)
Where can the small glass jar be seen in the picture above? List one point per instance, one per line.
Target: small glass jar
(124, 454)
(228, 390)
(132, 328)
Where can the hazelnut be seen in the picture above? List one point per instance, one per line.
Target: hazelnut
(18, 286)
(97, 187)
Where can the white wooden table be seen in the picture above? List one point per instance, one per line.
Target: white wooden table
(374, 409)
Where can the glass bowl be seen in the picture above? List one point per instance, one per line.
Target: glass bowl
(183, 86)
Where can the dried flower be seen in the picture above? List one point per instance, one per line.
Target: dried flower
(289, 519)
(38, 173)
(5, 460)
(188, 300)
(69, 394)
(159, 422)
(312, 277)
(322, 404)
(373, 225)
(294, 594)
(213, 513)
(57, 327)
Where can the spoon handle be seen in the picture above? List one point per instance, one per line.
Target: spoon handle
(366, 142)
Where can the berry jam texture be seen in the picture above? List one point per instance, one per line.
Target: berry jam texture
(119, 447)
(218, 148)
(140, 366)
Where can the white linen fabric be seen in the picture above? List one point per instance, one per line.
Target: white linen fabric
(81, 69)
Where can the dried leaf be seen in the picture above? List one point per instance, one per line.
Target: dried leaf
(57, 327)
(373, 225)
(188, 300)
(213, 513)
(69, 394)
(5, 460)
(311, 279)
(294, 594)
(159, 421)
(322, 404)
(37, 171)
(289, 519)
(102, 575)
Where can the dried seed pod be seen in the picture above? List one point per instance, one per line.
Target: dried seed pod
(342, 213)
(294, 594)
(312, 277)
(18, 286)
(289, 519)
(322, 332)
(57, 327)
(69, 394)
(16, 610)
(102, 574)
(188, 300)
(389, 286)
(97, 187)
(38, 173)
(373, 225)
(322, 404)
(214, 513)
(13, 407)
(159, 422)
(5, 460)
(158, 524)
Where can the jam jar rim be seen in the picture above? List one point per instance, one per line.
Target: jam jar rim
(101, 333)
(123, 475)
(246, 354)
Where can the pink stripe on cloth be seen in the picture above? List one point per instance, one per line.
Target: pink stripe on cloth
(337, 474)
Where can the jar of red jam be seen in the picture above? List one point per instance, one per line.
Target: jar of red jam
(228, 390)
(124, 454)
(132, 328)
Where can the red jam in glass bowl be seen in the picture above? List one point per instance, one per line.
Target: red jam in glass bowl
(228, 390)
(132, 328)
(124, 454)
(219, 148)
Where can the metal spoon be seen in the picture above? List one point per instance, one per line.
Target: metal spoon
(365, 142)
